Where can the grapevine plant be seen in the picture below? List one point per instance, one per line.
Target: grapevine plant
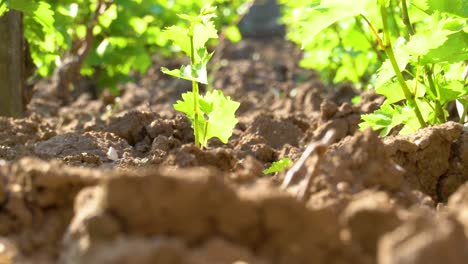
(420, 47)
(212, 114)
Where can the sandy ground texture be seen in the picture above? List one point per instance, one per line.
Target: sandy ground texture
(119, 180)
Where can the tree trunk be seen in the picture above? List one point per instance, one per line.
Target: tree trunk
(11, 64)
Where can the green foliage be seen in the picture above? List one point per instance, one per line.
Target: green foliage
(456, 7)
(212, 115)
(39, 18)
(38, 10)
(334, 42)
(125, 37)
(192, 42)
(426, 43)
(233, 34)
(278, 166)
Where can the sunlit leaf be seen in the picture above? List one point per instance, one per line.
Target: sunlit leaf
(221, 120)
(233, 34)
(219, 111)
(278, 166)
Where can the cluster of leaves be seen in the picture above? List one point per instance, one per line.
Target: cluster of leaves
(344, 49)
(426, 44)
(212, 115)
(38, 20)
(125, 37)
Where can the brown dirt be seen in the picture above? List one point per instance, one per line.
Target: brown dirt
(434, 159)
(92, 182)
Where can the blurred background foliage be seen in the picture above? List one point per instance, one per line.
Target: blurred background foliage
(125, 36)
(129, 33)
(347, 51)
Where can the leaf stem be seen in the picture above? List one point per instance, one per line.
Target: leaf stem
(416, 78)
(439, 113)
(391, 56)
(370, 40)
(205, 131)
(406, 19)
(194, 89)
(379, 40)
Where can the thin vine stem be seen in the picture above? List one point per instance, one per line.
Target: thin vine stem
(370, 40)
(406, 19)
(391, 56)
(379, 40)
(194, 90)
(439, 113)
(415, 92)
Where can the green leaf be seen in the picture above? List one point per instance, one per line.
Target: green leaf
(386, 71)
(203, 30)
(207, 12)
(205, 107)
(454, 50)
(329, 12)
(356, 99)
(278, 166)
(456, 7)
(142, 62)
(233, 34)
(39, 10)
(191, 19)
(196, 72)
(437, 40)
(221, 120)
(186, 105)
(392, 91)
(408, 118)
(202, 33)
(422, 42)
(453, 71)
(217, 114)
(179, 37)
(451, 91)
(381, 119)
(3, 9)
(181, 73)
(420, 4)
(388, 117)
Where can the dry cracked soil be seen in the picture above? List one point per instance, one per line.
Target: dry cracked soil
(90, 183)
